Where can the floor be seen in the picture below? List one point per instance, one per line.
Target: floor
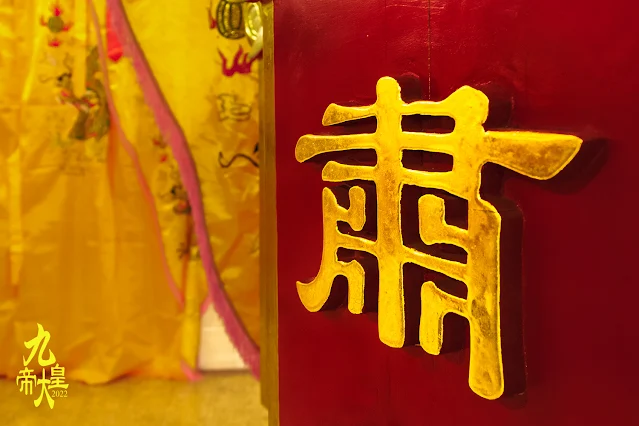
(221, 399)
(217, 353)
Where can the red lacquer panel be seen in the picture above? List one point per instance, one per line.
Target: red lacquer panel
(560, 66)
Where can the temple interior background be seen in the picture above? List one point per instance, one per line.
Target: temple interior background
(129, 212)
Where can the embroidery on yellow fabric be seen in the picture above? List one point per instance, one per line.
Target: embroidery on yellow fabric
(81, 253)
(220, 116)
(56, 23)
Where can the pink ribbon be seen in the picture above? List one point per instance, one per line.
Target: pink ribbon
(176, 139)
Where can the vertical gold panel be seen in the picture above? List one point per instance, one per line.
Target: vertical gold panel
(268, 226)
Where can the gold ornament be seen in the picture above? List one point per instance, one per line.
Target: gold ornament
(253, 27)
(230, 19)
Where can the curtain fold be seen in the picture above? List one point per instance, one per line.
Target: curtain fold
(115, 232)
(203, 91)
(80, 250)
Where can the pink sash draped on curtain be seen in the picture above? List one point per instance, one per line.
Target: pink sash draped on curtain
(121, 41)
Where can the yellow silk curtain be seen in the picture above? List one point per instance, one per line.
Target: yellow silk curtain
(172, 205)
(200, 60)
(79, 248)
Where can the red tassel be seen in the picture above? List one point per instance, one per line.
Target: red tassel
(114, 47)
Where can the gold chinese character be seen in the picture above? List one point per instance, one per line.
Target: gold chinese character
(536, 155)
(39, 342)
(44, 382)
(26, 380)
(57, 378)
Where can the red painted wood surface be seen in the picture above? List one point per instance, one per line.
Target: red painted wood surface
(568, 66)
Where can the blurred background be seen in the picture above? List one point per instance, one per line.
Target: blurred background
(129, 212)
